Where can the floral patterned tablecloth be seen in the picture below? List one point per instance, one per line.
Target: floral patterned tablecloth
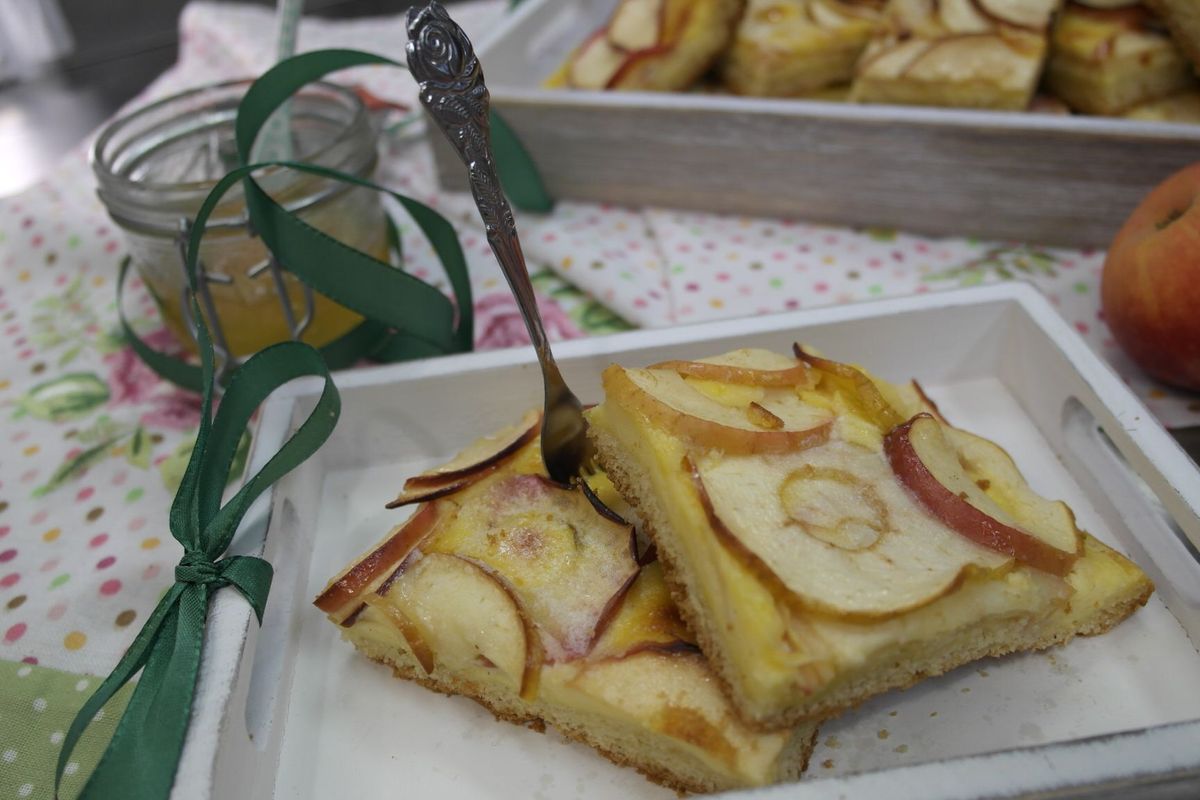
(93, 444)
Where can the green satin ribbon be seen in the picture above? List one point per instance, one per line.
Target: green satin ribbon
(141, 760)
(405, 317)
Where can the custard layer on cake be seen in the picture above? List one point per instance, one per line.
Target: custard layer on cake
(651, 45)
(788, 48)
(1105, 61)
(828, 537)
(530, 599)
(963, 53)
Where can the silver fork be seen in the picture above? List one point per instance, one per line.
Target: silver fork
(443, 62)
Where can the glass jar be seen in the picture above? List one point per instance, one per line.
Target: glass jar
(156, 166)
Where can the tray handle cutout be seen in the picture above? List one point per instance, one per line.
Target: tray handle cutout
(1132, 500)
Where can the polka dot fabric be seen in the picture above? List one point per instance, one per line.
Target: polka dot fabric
(36, 709)
(94, 443)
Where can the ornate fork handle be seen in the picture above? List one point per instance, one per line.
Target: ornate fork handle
(453, 91)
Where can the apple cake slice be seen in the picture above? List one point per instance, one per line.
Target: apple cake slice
(1105, 61)
(964, 53)
(785, 48)
(1183, 20)
(829, 537)
(651, 45)
(529, 598)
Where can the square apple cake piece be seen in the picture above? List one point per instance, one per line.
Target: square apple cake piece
(651, 45)
(1105, 61)
(962, 53)
(828, 536)
(785, 48)
(1183, 21)
(531, 599)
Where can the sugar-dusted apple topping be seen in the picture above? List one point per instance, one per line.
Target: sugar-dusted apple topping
(930, 469)
(718, 416)
(482, 452)
(532, 532)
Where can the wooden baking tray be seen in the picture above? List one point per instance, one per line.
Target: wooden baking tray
(998, 175)
(291, 711)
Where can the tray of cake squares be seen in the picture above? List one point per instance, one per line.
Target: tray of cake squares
(832, 553)
(1036, 120)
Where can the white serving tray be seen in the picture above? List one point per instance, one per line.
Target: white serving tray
(1000, 175)
(290, 711)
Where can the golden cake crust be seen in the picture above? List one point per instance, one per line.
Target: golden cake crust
(580, 632)
(1108, 586)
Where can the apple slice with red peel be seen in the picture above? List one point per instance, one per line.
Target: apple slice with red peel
(633, 61)
(670, 402)
(393, 550)
(929, 468)
(927, 402)
(473, 463)
(563, 558)
(993, 472)
(636, 25)
(1031, 14)
(459, 610)
(482, 452)
(872, 402)
(832, 530)
(596, 64)
(432, 491)
(408, 630)
(796, 375)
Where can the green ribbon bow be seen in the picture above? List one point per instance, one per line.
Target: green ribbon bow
(142, 757)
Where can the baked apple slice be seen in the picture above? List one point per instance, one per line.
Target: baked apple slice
(833, 530)
(597, 63)
(527, 528)
(734, 416)
(637, 25)
(930, 468)
(374, 567)
(469, 465)
(445, 596)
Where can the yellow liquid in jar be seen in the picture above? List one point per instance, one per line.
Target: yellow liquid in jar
(251, 314)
